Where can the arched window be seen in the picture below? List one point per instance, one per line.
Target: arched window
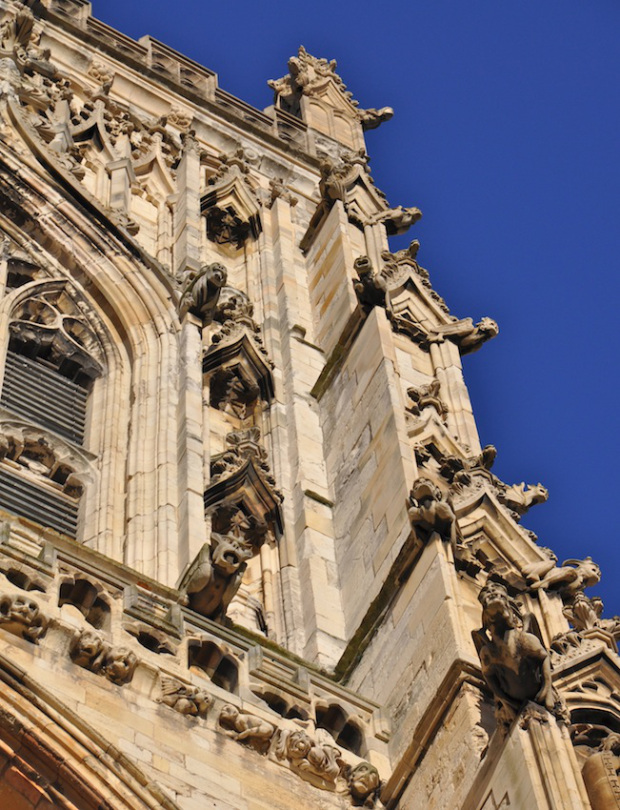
(52, 361)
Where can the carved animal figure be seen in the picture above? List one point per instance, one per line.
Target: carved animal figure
(215, 575)
(515, 664)
(370, 287)
(243, 726)
(520, 497)
(571, 578)
(426, 396)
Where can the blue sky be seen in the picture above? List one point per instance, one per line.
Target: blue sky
(506, 135)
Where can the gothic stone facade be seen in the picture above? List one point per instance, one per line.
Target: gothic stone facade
(252, 554)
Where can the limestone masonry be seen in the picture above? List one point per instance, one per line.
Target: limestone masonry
(252, 554)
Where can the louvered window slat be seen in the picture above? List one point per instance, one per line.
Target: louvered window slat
(22, 497)
(35, 392)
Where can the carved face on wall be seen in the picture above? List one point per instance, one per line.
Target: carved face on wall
(228, 553)
(497, 604)
(21, 610)
(121, 664)
(364, 780)
(298, 745)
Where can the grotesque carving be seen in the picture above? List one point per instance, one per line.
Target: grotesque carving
(202, 290)
(215, 575)
(467, 336)
(370, 287)
(119, 665)
(22, 617)
(90, 651)
(364, 784)
(426, 396)
(571, 578)
(430, 514)
(319, 758)
(277, 190)
(398, 220)
(242, 726)
(186, 699)
(515, 664)
(519, 497)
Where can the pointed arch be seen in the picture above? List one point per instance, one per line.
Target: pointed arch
(50, 757)
(133, 517)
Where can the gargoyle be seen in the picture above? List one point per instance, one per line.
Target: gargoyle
(119, 665)
(426, 396)
(520, 497)
(215, 575)
(370, 287)
(398, 220)
(430, 514)
(571, 578)
(201, 291)
(515, 664)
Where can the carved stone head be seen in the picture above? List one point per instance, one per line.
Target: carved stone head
(363, 782)
(228, 553)
(497, 605)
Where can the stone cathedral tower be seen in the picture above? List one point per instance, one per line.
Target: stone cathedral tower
(252, 554)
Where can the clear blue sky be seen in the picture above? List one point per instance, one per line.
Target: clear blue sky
(506, 134)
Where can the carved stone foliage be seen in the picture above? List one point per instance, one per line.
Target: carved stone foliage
(45, 455)
(22, 617)
(245, 727)
(242, 488)
(237, 362)
(230, 204)
(590, 629)
(316, 759)
(86, 132)
(515, 663)
(89, 650)
(426, 396)
(201, 291)
(50, 325)
(312, 76)
(185, 698)
(215, 575)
